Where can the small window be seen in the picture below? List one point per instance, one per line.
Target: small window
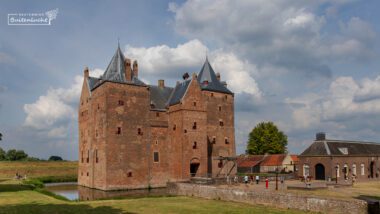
(220, 108)
(98, 106)
(214, 140)
(139, 132)
(82, 156)
(194, 103)
(185, 131)
(226, 141)
(129, 174)
(88, 174)
(121, 103)
(157, 114)
(225, 97)
(362, 169)
(88, 156)
(174, 127)
(221, 123)
(156, 142)
(96, 156)
(195, 125)
(118, 130)
(96, 132)
(220, 164)
(194, 145)
(156, 157)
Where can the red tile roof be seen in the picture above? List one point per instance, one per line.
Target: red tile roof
(294, 158)
(249, 160)
(273, 160)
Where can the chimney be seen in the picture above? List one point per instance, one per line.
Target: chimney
(86, 72)
(161, 83)
(185, 76)
(128, 71)
(218, 76)
(135, 69)
(320, 136)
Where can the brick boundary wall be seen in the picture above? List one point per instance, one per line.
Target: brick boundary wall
(273, 199)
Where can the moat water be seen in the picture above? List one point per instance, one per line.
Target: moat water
(74, 192)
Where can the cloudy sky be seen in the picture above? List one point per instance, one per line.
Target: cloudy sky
(308, 66)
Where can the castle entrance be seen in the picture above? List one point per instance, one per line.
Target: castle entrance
(194, 166)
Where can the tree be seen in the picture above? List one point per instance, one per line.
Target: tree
(55, 158)
(266, 138)
(1, 136)
(14, 155)
(3, 154)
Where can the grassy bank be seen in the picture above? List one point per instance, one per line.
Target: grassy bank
(46, 171)
(16, 198)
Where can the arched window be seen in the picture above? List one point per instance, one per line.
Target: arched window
(362, 171)
(306, 170)
(354, 169)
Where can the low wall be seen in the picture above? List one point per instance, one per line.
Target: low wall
(270, 198)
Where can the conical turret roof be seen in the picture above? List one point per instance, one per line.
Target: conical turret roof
(208, 80)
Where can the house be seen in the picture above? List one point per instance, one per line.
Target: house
(340, 159)
(136, 135)
(266, 163)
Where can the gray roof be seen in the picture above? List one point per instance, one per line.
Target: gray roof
(339, 147)
(159, 96)
(115, 72)
(178, 92)
(213, 84)
(116, 68)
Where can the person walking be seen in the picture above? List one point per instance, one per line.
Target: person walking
(266, 183)
(257, 179)
(246, 179)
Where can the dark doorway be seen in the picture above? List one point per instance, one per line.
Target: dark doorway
(371, 168)
(319, 172)
(193, 169)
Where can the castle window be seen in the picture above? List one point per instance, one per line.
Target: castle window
(226, 141)
(88, 156)
(129, 174)
(195, 125)
(98, 106)
(195, 103)
(213, 139)
(220, 164)
(156, 157)
(220, 108)
(96, 132)
(225, 97)
(82, 156)
(118, 130)
(88, 174)
(194, 145)
(157, 114)
(174, 127)
(96, 155)
(185, 131)
(221, 123)
(362, 171)
(156, 142)
(121, 103)
(139, 132)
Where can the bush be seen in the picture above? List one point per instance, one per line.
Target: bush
(35, 183)
(55, 158)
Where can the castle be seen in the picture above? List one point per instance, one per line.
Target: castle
(133, 135)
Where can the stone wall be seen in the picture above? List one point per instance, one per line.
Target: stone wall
(273, 199)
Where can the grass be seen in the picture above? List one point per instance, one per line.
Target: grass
(48, 170)
(21, 200)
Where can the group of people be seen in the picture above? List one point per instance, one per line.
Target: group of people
(246, 179)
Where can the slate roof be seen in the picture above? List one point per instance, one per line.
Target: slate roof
(115, 72)
(159, 96)
(178, 92)
(339, 147)
(208, 75)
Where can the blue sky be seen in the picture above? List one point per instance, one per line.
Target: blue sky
(308, 66)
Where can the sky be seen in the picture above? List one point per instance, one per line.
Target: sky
(308, 66)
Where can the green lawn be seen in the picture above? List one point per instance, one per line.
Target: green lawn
(16, 198)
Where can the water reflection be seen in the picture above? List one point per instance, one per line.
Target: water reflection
(72, 191)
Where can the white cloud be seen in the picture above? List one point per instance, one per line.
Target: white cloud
(163, 60)
(54, 110)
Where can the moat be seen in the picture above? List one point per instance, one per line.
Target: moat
(74, 192)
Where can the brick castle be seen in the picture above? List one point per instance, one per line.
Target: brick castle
(133, 135)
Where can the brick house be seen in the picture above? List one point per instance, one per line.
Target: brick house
(266, 163)
(134, 135)
(326, 158)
